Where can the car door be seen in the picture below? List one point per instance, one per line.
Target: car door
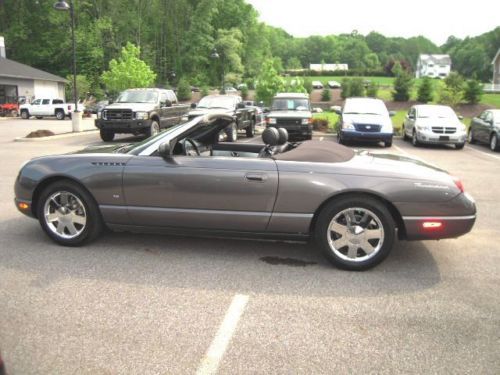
(242, 115)
(215, 193)
(483, 127)
(45, 108)
(35, 107)
(410, 121)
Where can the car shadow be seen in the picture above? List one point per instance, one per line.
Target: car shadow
(244, 266)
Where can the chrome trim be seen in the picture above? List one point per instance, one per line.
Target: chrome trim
(439, 217)
(285, 214)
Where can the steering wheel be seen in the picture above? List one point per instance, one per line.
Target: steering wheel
(189, 140)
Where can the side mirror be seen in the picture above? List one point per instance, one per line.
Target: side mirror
(240, 105)
(460, 117)
(166, 103)
(392, 113)
(193, 105)
(337, 109)
(164, 150)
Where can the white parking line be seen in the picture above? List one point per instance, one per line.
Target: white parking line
(212, 358)
(482, 152)
(401, 150)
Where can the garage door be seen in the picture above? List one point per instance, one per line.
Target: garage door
(46, 89)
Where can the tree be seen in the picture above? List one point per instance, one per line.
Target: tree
(326, 95)
(293, 64)
(357, 87)
(346, 88)
(473, 91)
(183, 90)
(296, 84)
(372, 90)
(269, 83)
(82, 87)
(425, 91)
(453, 90)
(402, 84)
(129, 71)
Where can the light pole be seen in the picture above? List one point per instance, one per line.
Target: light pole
(215, 55)
(64, 6)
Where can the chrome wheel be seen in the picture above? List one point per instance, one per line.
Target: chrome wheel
(234, 132)
(65, 215)
(470, 137)
(155, 129)
(355, 234)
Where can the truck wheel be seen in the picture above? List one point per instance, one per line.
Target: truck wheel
(232, 132)
(107, 136)
(25, 114)
(14, 113)
(60, 114)
(250, 129)
(39, 117)
(153, 130)
(388, 143)
(309, 137)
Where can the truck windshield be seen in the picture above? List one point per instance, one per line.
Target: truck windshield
(224, 102)
(138, 96)
(289, 104)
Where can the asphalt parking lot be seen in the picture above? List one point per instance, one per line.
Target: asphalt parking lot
(155, 304)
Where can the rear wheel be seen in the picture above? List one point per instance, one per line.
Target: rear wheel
(106, 135)
(250, 129)
(388, 143)
(459, 146)
(68, 214)
(494, 143)
(232, 132)
(355, 233)
(60, 114)
(39, 117)
(25, 114)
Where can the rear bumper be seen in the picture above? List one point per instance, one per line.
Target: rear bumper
(123, 126)
(353, 135)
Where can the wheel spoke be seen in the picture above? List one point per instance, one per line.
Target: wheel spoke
(60, 227)
(372, 234)
(367, 247)
(365, 220)
(340, 243)
(53, 217)
(350, 218)
(71, 228)
(353, 251)
(77, 219)
(338, 228)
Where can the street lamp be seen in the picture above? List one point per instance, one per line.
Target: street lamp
(64, 6)
(215, 55)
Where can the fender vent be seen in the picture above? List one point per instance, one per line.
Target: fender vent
(107, 164)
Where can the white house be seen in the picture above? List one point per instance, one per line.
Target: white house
(494, 86)
(434, 66)
(328, 67)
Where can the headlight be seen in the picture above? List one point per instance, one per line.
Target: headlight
(462, 127)
(347, 125)
(305, 121)
(423, 127)
(141, 115)
(99, 113)
(271, 121)
(387, 128)
(103, 115)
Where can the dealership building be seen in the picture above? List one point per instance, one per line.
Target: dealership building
(18, 80)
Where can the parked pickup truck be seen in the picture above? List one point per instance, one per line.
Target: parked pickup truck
(245, 116)
(140, 111)
(45, 108)
(291, 111)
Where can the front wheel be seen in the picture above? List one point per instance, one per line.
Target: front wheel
(68, 214)
(25, 114)
(414, 139)
(355, 233)
(470, 137)
(494, 143)
(106, 135)
(153, 130)
(459, 146)
(232, 132)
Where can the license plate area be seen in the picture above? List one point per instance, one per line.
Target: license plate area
(444, 138)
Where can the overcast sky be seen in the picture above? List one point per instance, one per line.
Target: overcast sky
(434, 19)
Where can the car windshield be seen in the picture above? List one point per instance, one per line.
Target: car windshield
(365, 107)
(137, 148)
(290, 104)
(436, 112)
(138, 96)
(224, 102)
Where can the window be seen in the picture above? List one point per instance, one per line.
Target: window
(57, 101)
(45, 101)
(36, 102)
(163, 98)
(483, 115)
(488, 117)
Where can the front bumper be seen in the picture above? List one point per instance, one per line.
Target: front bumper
(354, 135)
(24, 206)
(430, 137)
(123, 126)
(295, 131)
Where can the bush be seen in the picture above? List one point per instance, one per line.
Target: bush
(320, 124)
(326, 95)
(425, 91)
(244, 92)
(453, 91)
(204, 91)
(357, 87)
(346, 88)
(473, 91)
(402, 85)
(372, 90)
(308, 85)
(183, 90)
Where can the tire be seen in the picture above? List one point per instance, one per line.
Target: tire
(470, 137)
(153, 130)
(80, 220)
(232, 132)
(414, 140)
(388, 143)
(309, 137)
(353, 255)
(340, 140)
(14, 113)
(405, 136)
(39, 117)
(107, 136)
(250, 129)
(494, 146)
(25, 114)
(459, 146)
(60, 114)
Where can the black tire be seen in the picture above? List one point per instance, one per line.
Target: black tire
(414, 140)
(25, 114)
(360, 202)
(60, 114)
(339, 139)
(250, 129)
(470, 136)
(106, 135)
(405, 136)
(232, 132)
(39, 117)
(94, 223)
(153, 130)
(388, 143)
(494, 146)
(459, 146)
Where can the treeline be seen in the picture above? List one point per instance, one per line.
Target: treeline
(177, 39)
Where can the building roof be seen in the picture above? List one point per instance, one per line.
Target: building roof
(496, 56)
(436, 59)
(13, 69)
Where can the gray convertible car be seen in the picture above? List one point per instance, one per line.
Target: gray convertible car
(352, 203)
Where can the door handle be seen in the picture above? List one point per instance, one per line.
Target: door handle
(258, 177)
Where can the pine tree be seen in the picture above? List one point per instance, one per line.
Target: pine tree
(425, 91)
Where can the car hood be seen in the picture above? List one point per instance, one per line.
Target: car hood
(436, 121)
(288, 114)
(145, 107)
(367, 119)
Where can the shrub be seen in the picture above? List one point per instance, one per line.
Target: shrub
(204, 91)
(320, 124)
(473, 91)
(308, 85)
(402, 85)
(357, 87)
(372, 90)
(346, 88)
(183, 90)
(326, 95)
(244, 92)
(425, 91)
(453, 90)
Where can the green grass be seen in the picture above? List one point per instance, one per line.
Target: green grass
(491, 99)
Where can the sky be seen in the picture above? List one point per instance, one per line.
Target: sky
(434, 19)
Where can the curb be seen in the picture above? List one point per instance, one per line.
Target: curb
(57, 136)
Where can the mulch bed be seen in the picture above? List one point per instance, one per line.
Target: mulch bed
(40, 133)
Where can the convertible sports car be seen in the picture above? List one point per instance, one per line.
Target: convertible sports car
(183, 181)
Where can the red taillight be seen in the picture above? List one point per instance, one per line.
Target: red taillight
(69, 108)
(458, 184)
(432, 225)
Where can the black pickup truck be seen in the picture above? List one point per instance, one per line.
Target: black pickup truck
(141, 111)
(245, 116)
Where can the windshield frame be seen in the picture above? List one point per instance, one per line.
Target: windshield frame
(297, 103)
(136, 95)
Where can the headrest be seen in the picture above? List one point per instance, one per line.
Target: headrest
(271, 136)
(283, 136)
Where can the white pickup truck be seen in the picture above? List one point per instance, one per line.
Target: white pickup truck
(45, 108)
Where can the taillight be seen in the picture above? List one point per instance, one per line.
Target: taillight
(69, 108)
(458, 184)
(432, 225)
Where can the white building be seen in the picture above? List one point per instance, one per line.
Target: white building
(328, 67)
(434, 66)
